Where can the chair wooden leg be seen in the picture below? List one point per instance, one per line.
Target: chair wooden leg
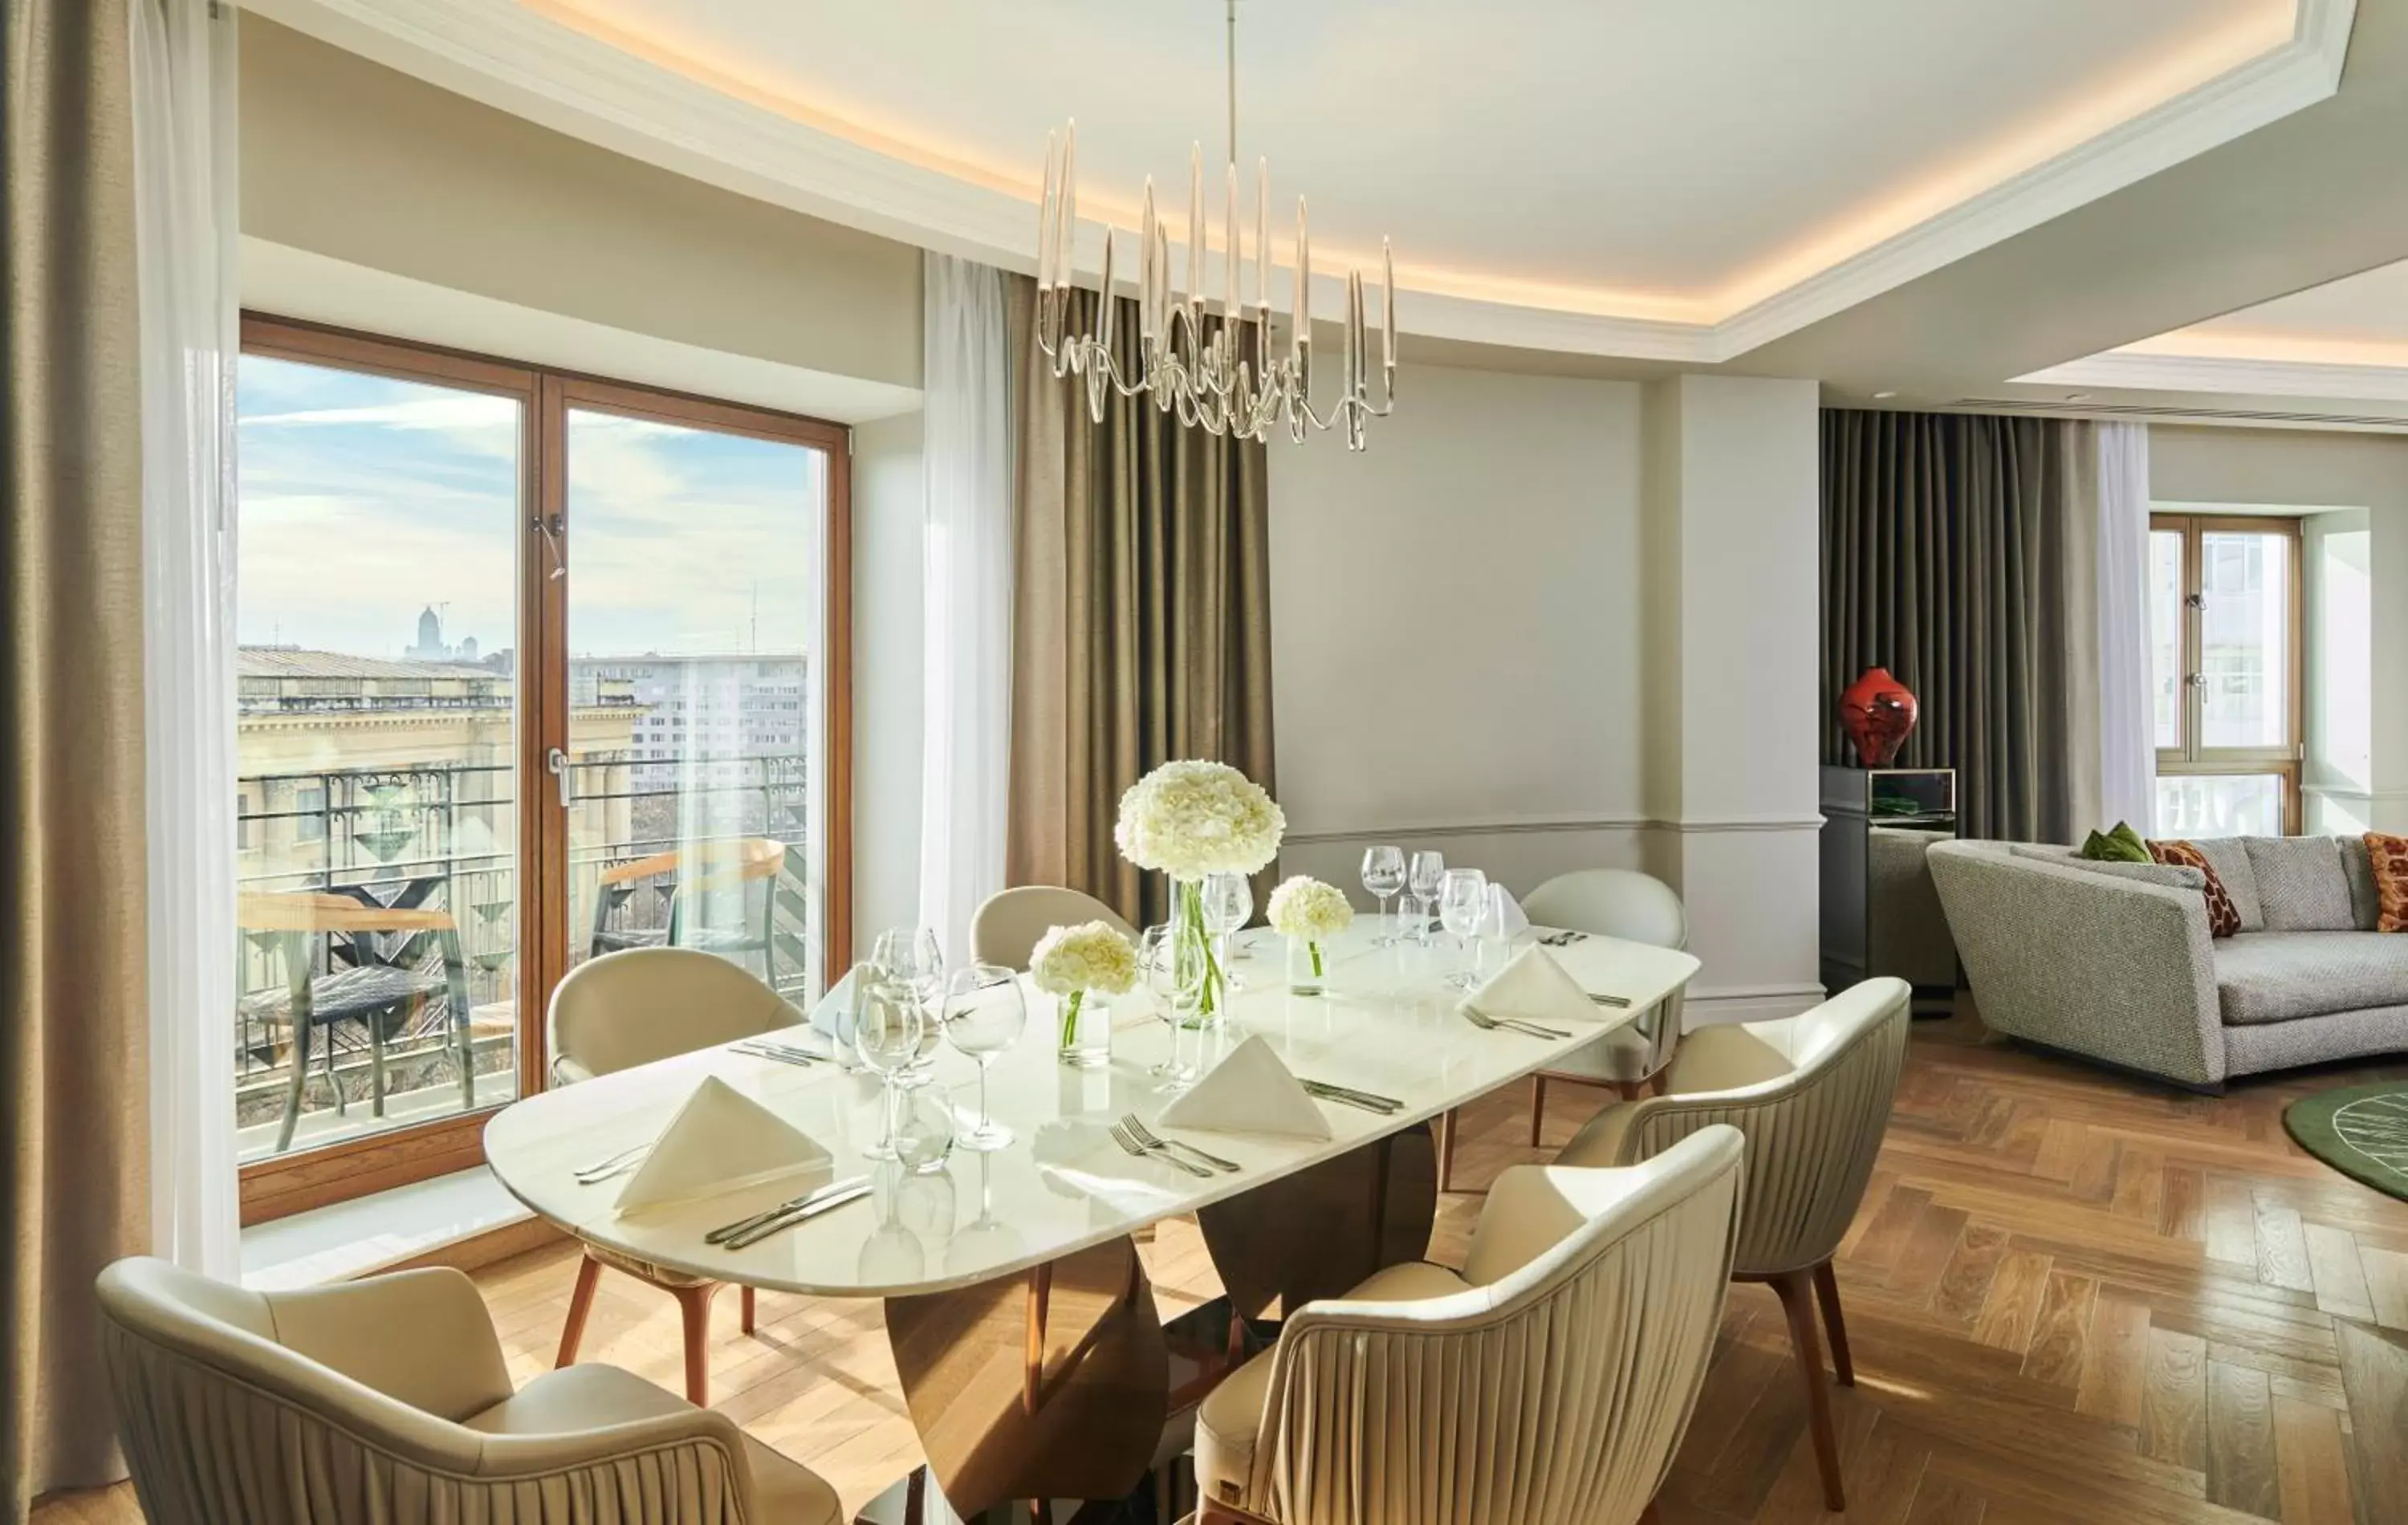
(1446, 1124)
(581, 1302)
(1629, 1090)
(695, 1303)
(1538, 1109)
(747, 1308)
(1826, 1292)
(915, 1496)
(1796, 1300)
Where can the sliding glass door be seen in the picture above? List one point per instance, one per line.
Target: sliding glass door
(530, 667)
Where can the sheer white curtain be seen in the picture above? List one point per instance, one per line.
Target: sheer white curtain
(966, 583)
(2128, 747)
(185, 225)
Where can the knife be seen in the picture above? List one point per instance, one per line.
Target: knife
(1361, 1099)
(726, 1232)
(787, 1219)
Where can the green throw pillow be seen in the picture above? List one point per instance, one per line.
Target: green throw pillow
(2121, 845)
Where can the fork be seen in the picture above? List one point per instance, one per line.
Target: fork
(1511, 1024)
(611, 1165)
(782, 1053)
(1127, 1142)
(1146, 1136)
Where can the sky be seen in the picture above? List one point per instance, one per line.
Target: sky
(364, 499)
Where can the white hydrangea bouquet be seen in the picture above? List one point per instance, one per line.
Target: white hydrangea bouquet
(1071, 961)
(1308, 913)
(1188, 819)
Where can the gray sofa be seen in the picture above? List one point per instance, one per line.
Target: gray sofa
(2113, 961)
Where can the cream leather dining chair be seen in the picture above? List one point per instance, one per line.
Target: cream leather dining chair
(631, 1008)
(1549, 1383)
(1813, 1094)
(1607, 903)
(387, 1401)
(1010, 923)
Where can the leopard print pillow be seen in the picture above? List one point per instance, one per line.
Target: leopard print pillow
(2223, 917)
(2389, 856)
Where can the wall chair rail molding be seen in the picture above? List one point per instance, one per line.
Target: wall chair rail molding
(1810, 821)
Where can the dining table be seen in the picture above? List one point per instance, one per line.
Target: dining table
(1031, 1355)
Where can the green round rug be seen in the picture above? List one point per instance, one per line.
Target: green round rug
(2361, 1131)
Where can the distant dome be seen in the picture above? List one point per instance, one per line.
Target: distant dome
(430, 628)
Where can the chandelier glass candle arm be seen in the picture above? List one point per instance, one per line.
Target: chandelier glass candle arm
(1226, 380)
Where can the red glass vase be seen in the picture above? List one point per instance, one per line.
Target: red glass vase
(1877, 710)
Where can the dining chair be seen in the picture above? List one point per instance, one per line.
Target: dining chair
(1010, 923)
(693, 887)
(1813, 1095)
(1548, 1383)
(388, 1402)
(631, 1008)
(1606, 902)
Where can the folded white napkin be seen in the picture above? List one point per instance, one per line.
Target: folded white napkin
(721, 1140)
(1534, 988)
(833, 1016)
(1249, 1091)
(1505, 917)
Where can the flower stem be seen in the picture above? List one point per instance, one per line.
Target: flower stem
(1315, 949)
(1069, 1020)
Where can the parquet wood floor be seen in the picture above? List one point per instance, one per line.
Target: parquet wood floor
(2074, 1301)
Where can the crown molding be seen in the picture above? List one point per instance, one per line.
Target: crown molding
(2142, 372)
(513, 58)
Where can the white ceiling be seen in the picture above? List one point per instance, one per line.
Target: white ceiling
(2361, 319)
(1669, 158)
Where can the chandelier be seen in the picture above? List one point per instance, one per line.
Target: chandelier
(1227, 379)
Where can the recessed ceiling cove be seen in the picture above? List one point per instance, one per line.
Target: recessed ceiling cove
(1668, 178)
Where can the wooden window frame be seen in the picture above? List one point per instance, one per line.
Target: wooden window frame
(2189, 757)
(294, 1182)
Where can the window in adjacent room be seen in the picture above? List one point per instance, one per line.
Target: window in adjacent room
(2225, 650)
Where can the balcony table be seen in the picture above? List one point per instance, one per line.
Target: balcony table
(1018, 1312)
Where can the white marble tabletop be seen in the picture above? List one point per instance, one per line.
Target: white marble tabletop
(1388, 1024)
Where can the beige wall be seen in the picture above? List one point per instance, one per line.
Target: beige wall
(350, 159)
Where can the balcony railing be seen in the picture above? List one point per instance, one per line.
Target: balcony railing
(384, 903)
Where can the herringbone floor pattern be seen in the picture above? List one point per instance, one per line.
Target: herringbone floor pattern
(2074, 1301)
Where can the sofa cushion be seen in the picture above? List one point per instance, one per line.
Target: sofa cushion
(2387, 864)
(2277, 977)
(2230, 857)
(2301, 885)
(2365, 901)
(2222, 917)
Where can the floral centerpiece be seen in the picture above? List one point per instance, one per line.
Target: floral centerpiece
(1074, 961)
(1188, 819)
(1308, 913)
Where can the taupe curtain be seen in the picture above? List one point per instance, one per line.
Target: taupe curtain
(1959, 553)
(1140, 614)
(74, 1182)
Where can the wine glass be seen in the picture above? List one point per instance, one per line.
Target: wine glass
(984, 1014)
(887, 1029)
(1462, 906)
(1175, 977)
(914, 956)
(1383, 874)
(1228, 900)
(1428, 871)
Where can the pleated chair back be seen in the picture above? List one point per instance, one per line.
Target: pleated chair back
(1814, 1104)
(1007, 927)
(1637, 907)
(1554, 1391)
(631, 1008)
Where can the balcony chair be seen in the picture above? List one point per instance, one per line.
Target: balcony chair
(1548, 1384)
(1607, 903)
(387, 1401)
(1009, 926)
(756, 868)
(608, 1015)
(1813, 1095)
(385, 988)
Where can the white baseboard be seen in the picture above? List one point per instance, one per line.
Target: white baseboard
(1709, 1004)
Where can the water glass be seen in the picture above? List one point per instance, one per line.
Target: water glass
(1383, 874)
(1462, 906)
(1428, 871)
(984, 1014)
(1228, 902)
(887, 1028)
(1175, 977)
(914, 956)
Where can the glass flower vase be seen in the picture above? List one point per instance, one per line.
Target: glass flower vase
(1084, 1030)
(1305, 961)
(1199, 968)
